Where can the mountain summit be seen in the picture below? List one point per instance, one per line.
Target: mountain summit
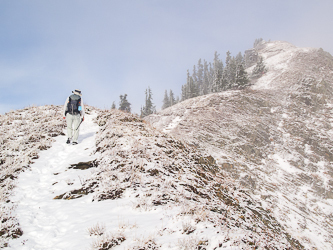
(241, 169)
(275, 138)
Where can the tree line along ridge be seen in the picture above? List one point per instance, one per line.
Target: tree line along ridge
(207, 78)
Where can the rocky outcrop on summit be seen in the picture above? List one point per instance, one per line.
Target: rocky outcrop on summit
(276, 138)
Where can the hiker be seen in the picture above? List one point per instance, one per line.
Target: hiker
(74, 114)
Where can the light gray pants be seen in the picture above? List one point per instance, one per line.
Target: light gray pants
(73, 122)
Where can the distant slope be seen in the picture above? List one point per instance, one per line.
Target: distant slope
(276, 138)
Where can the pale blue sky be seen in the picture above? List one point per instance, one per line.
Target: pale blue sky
(111, 47)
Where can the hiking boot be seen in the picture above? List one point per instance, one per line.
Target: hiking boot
(74, 142)
(68, 141)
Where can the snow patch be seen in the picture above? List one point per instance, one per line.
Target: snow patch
(284, 165)
(172, 124)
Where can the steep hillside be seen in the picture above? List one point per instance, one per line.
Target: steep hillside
(276, 138)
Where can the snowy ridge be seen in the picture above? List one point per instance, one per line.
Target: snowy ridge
(160, 174)
(274, 138)
(245, 169)
(135, 188)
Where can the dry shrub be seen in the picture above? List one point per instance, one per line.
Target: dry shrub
(97, 230)
(108, 241)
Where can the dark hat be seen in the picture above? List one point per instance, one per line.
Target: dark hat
(77, 92)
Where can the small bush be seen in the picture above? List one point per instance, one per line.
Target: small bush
(188, 228)
(97, 230)
(147, 245)
(106, 242)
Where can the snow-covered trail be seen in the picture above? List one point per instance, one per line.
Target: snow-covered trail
(52, 224)
(49, 223)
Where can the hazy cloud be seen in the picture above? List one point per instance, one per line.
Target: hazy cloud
(108, 48)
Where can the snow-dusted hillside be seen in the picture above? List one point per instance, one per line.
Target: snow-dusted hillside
(135, 188)
(245, 169)
(275, 138)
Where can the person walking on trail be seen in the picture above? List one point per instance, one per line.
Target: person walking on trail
(74, 115)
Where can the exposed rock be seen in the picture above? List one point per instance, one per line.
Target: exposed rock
(84, 165)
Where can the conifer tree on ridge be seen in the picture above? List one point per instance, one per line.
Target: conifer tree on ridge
(124, 104)
(149, 107)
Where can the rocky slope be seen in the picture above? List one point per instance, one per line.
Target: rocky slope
(275, 138)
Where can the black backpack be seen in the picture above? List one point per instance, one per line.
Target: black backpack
(73, 105)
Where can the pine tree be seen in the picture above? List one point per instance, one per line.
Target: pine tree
(177, 99)
(194, 75)
(183, 96)
(218, 71)
(149, 107)
(172, 98)
(113, 105)
(189, 83)
(257, 42)
(240, 59)
(242, 79)
(149, 103)
(218, 64)
(205, 84)
(166, 100)
(223, 83)
(124, 104)
(216, 86)
(190, 89)
(230, 71)
(200, 73)
(259, 69)
(227, 70)
(210, 77)
(227, 59)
